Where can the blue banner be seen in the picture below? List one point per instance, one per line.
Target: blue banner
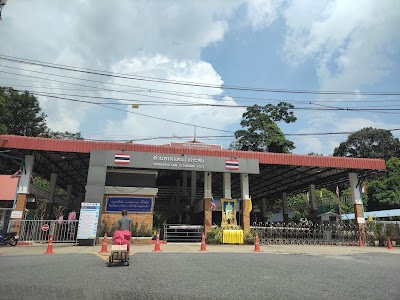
(131, 204)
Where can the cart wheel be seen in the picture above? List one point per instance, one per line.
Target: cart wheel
(109, 264)
(127, 263)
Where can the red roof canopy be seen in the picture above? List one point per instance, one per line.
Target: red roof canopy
(81, 146)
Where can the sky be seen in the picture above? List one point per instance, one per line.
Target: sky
(178, 59)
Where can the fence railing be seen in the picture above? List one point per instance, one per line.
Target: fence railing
(35, 230)
(182, 233)
(312, 234)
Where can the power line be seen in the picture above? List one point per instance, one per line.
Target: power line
(186, 83)
(193, 104)
(246, 99)
(143, 115)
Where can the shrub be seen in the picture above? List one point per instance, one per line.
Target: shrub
(106, 228)
(214, 236)
(249, 237)
(392, 231)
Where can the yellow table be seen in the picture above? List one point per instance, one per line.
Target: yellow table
(232, 236)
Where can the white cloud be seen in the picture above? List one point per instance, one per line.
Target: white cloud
(262, 13)
(350, 41)
(350, 45)
(161, 66)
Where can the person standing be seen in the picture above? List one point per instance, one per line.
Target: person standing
(124, 226)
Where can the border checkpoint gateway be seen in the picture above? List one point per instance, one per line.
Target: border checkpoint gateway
(178, 179)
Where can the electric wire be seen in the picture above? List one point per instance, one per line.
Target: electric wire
(187, 83)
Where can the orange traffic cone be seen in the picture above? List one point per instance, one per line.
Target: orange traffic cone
(389, 243)
(157, 245)
(360, 243)
(50, 246)
(257, 245)
(104, 245)
(203, 243)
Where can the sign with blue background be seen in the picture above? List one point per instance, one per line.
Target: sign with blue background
(131, 204)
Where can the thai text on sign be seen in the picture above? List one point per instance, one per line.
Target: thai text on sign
(131, 204)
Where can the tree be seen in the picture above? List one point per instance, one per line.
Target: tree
(384, 193)
(66, 135)
(21, 113)
(3, 128)
(261, 133)
(299, 205)
(369, 143)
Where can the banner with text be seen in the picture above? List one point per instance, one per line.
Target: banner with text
(88, 220)
(131, 204)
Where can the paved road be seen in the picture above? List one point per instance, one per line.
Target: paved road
(202, 276)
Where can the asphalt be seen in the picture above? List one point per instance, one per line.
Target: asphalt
(190, 274)
(195, 247)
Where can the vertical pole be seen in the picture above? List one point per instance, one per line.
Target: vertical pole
(357, 202)
(177, 201)
(193, 188)
(313, 204)
(23, 189)
(227, 186)
(207, 200)
(285, 208)
(244, 183)
(52, 192)
(184, 196)
(264, 210)
(68, 197)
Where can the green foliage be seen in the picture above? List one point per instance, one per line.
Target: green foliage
(66, 135)
(392, 231)
(107, 228)
(260, 132)
(384, 193)
(214, 236)
(299, 205)
(369, 143)
(21, 113)
(141, 230)
(249, 237)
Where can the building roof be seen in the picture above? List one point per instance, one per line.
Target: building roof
(8, 187)
(289, 173)
(375, 214)
(82, 146)
(330, 213)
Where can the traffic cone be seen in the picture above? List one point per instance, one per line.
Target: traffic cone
(203, 243)
(360, 243)
(50, 246)
(104, 245)
(257, 244)
(389, 243)
(157, 245)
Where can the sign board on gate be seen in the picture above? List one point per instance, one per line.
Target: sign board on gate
(45, 227)
(88, 221)
(132, 204)
(16, 214)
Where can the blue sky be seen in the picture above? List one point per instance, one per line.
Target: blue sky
(308, 45)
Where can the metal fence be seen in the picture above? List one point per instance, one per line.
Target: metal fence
(309, 234)
(182, 233)
(62, 231)
(5, 214)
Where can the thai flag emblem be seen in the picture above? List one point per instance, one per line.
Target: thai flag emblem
(232, 165)
(213, 206)
(122, 159)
